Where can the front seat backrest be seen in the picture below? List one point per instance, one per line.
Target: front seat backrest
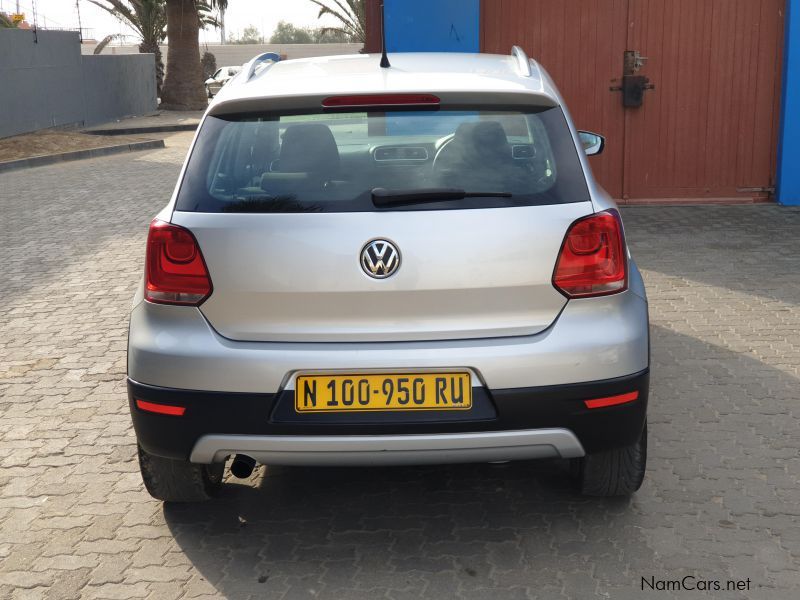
(309, 148)
(478, 157)
(483, 144)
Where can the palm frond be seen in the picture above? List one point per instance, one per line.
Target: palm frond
(205, 11)
(215, 4)
(147, 17)
(351, 15)
(122, 12)
(103, 43)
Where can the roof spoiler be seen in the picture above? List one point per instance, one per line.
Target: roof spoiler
(249, 68)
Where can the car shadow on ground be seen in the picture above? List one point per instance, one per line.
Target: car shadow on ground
(314, 532)
(718, 420)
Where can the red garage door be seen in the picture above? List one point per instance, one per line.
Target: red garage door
(707, 129)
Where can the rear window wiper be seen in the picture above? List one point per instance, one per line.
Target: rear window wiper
(384, 197)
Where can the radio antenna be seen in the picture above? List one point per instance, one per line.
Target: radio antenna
(384, 57)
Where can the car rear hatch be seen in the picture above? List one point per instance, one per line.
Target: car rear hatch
(463, 274)
(283, 205)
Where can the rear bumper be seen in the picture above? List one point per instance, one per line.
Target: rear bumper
(538, 422)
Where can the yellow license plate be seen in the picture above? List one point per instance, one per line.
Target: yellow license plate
(383, 392)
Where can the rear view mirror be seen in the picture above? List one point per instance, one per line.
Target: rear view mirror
(593, 144)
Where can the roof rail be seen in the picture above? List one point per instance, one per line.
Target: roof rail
(250, 67)
(523, 62)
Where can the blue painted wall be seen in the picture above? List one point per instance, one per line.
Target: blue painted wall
(788, 185)
(433, 25)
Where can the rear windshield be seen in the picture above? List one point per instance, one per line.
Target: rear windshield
(332, 162)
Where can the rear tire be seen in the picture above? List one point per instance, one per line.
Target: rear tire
(617, 472)
(173, 480)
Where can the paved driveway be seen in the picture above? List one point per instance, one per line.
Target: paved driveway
(721, 500)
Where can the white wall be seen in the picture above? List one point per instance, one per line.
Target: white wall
(238, 54)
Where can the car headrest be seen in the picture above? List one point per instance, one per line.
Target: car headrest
(483, 140)
(309, 148)
(478, 157)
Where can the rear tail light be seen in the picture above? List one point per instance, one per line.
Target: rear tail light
(593, 261)
(175, 272)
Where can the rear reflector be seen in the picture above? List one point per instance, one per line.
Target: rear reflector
(612, 400)
(162, 409)
(175, 272)
(592, 261)
(381, 100)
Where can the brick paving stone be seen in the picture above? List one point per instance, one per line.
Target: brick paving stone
(720, 500)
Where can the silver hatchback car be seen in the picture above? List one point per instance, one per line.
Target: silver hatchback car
(383, 266)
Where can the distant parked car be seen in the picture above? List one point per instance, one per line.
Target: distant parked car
(221, 77)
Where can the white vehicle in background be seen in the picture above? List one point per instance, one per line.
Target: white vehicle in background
(223, 75)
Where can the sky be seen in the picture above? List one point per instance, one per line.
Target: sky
(264, 14)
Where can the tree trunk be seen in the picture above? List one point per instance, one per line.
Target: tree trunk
(183, 85)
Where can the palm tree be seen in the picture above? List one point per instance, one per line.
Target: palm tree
(183, 85)
(351, 14)
(148, 19)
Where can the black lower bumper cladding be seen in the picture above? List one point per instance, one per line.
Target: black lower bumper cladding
(561, 406)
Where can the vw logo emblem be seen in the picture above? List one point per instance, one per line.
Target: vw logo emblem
(380, 259)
